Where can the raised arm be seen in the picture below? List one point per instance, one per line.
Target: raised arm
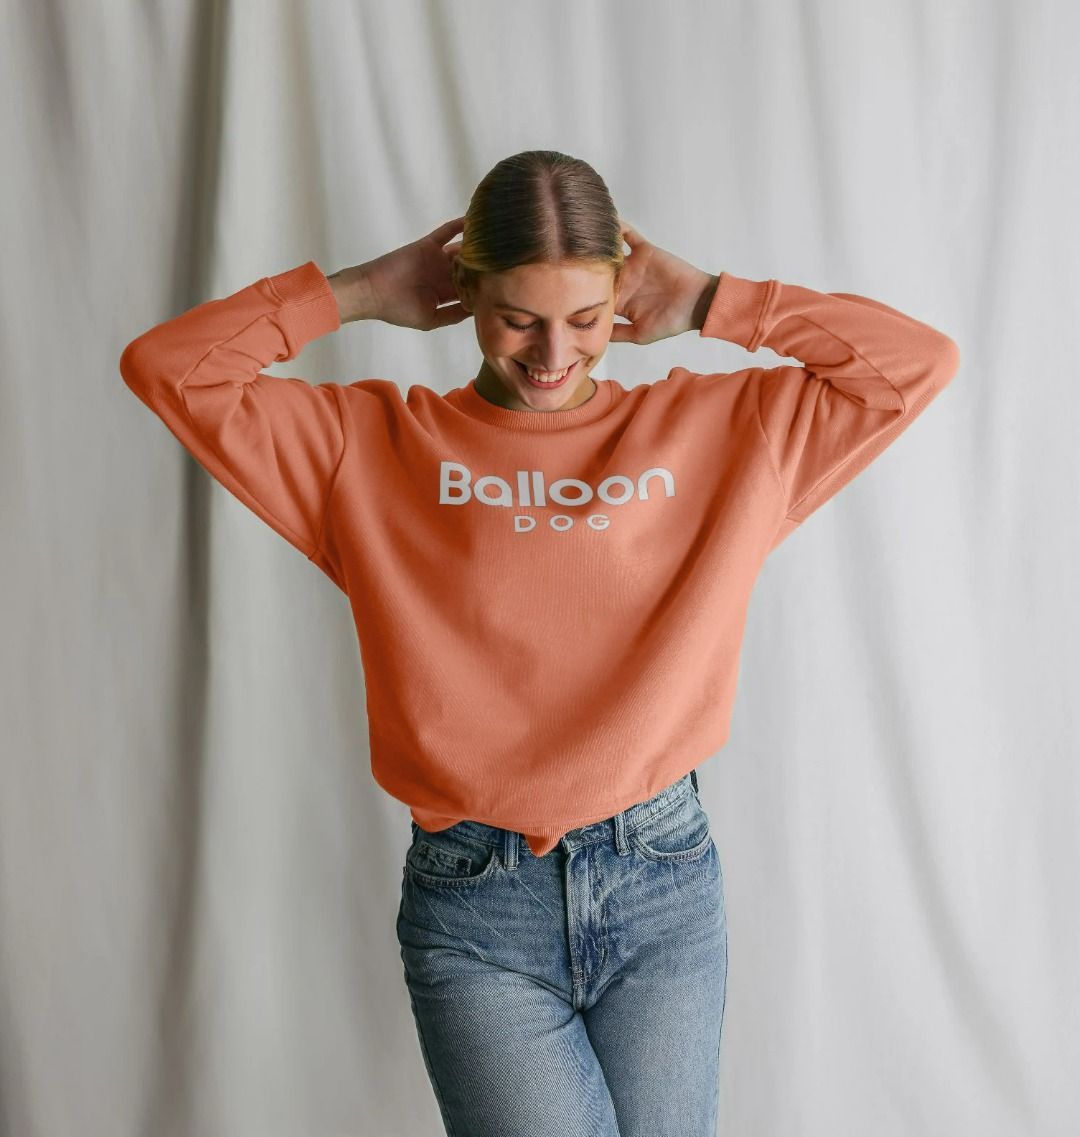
(867, 371)
(272, 442)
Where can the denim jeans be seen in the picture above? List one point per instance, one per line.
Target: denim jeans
(578, 994)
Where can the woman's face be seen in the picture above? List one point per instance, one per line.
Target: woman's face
(542, 318)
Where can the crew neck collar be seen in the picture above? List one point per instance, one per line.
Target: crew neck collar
(476, 406)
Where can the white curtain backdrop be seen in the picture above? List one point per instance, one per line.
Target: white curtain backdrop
(199, 877)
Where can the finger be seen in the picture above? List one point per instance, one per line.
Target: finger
(445, 290)
(629, 232)
(447, 229)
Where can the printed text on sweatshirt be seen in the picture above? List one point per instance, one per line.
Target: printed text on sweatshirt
(549, 605)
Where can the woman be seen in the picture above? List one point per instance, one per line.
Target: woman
(549, 575)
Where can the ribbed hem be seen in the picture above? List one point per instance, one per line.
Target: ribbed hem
(472, 403)
(737, 311)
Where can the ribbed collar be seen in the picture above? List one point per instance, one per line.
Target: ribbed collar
(472, 403)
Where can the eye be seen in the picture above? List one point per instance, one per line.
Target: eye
(527, 327)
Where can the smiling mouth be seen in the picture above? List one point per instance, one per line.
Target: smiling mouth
(540, 383)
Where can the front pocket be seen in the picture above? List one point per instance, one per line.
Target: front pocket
(449, 858)
(680, 833)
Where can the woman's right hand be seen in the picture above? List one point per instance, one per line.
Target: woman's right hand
(406, 286)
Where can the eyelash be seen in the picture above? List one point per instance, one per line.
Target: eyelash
(525, 327)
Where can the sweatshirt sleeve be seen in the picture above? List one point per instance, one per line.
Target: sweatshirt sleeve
(274, 443)
(867, 371)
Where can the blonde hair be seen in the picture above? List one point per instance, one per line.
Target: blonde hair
(538, 206)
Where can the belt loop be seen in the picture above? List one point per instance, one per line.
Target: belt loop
(622, 846)
(510, 849)
(693, 781)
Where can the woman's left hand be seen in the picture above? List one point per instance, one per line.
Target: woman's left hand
(659, 293)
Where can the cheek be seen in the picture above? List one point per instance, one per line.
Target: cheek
(498, 340)
(595, 343)
(598, 340)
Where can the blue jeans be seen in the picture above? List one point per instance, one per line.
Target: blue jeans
(579, 994)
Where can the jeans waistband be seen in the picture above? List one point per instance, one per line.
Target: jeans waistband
(605, 830)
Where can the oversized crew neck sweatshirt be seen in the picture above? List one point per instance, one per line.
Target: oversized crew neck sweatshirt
(549, 605)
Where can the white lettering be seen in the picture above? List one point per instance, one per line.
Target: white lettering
(446, 471)
(456, 488)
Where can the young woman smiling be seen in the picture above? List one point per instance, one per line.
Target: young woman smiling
(547, 664)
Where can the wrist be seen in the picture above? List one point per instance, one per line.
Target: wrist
(704, 301)
(354, 294)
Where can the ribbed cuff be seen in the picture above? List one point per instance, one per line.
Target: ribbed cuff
(309, 308)
(737, 311)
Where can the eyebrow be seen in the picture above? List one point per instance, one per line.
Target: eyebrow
(512, 308)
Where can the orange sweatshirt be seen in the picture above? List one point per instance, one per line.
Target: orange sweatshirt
(549, 605)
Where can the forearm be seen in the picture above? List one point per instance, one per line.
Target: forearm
(354, 294)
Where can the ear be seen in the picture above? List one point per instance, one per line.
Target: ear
(464, 295)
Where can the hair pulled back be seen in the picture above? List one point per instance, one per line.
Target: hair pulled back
(538, 207)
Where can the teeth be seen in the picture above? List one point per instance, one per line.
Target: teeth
(548, 376)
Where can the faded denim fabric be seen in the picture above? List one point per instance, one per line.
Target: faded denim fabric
(579, 994)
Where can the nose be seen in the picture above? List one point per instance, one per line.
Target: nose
(556, 350)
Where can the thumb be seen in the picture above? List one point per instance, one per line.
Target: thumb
(449, 314)
(623, 333)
